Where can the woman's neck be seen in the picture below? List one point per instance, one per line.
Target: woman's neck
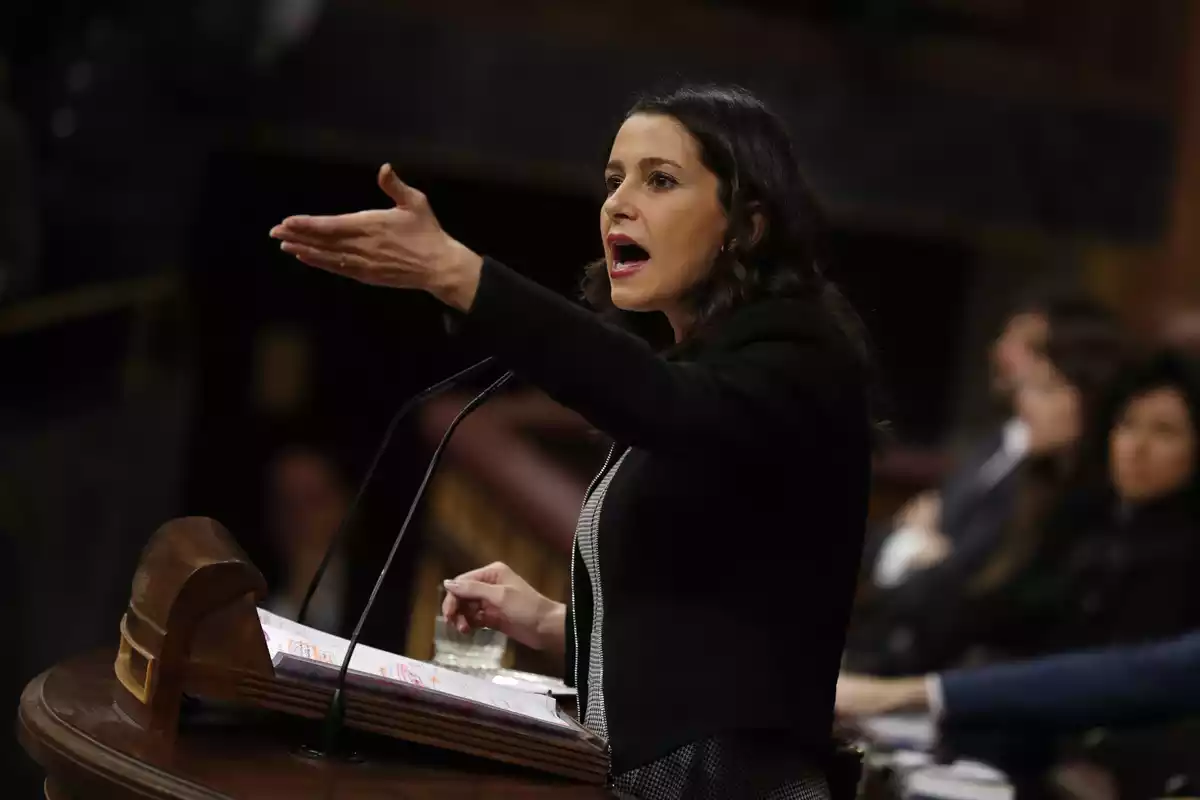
(681, 322)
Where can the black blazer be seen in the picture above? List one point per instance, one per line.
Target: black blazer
(731, 536)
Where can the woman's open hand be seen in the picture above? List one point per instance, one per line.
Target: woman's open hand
(402, 247)
(496, 597)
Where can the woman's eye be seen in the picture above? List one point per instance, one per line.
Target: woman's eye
(661, 180)
(611, 183)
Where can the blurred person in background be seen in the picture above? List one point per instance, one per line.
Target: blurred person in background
(977, 498)
(1119, 560)
(1025, 716)
(1117, 566)
(307, 498)
(920, 623)
(762, 403)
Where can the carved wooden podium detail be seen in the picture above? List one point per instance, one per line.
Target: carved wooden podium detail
(193, 601)
(192, 628)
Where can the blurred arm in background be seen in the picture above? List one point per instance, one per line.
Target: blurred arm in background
(1155, 683)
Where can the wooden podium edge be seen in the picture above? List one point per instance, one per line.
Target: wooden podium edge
(63, 750)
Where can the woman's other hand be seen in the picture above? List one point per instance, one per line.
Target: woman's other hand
(402, 247)
(496, 597)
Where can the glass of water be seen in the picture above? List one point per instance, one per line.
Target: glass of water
(477, 650)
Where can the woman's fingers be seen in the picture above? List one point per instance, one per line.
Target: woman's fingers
(492, 573)
(462, 620)
(339, 226)
(490, 617)
(401, 193)
(357, 245)
(475, 599)
(350, 265)
(457, 612)
(464, 614)
(476, 590)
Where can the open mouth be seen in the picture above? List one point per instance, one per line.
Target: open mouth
(628, 257)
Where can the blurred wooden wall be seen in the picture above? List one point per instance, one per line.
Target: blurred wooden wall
(1156, 282)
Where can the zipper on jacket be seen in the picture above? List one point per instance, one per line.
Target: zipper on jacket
(580, 701)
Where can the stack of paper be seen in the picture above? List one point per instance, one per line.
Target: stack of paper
(963, 780)
(904, 731)
(306, 652)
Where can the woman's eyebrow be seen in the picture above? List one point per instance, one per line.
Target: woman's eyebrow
(653, 161)
(646, 163)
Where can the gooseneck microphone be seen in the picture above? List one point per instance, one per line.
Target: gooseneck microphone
(336, 541)
(336, 713)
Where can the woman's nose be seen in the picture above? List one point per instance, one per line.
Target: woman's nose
(618, 206)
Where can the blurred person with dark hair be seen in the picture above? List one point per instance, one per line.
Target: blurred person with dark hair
(760, 405)
(1024, 716)
(1119, 560)
(919, 624)
(976, 499)
(307, 497)
(1116, 567)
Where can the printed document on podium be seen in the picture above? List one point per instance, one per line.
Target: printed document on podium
(289, 641)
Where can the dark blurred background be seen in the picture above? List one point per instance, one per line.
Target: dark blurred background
(159, 357)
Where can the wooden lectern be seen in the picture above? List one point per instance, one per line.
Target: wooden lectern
(191, 707)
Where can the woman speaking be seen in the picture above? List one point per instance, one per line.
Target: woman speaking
(733, 503)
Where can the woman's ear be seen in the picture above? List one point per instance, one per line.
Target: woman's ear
(758, 223)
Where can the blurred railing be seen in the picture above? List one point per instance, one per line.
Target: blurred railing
(88, 301)
(143, 299)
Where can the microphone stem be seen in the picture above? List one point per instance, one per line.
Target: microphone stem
(340, 534)
(335, 714)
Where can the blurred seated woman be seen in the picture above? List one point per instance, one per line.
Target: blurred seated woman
(977, 497)
(1124, 578)
(1119, 561)
(1014, 714)
(920, 624)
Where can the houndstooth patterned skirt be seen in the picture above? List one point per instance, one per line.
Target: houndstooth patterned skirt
(719, 768)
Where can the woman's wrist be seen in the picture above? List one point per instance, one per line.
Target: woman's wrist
(552, 629)
(456, 279)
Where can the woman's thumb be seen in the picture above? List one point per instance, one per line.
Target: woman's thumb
(392, 186)
(475, 590)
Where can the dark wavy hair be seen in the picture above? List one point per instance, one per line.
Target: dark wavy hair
(1088, 348)
(1163, 369)
(1090, 496)
(748, 148)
